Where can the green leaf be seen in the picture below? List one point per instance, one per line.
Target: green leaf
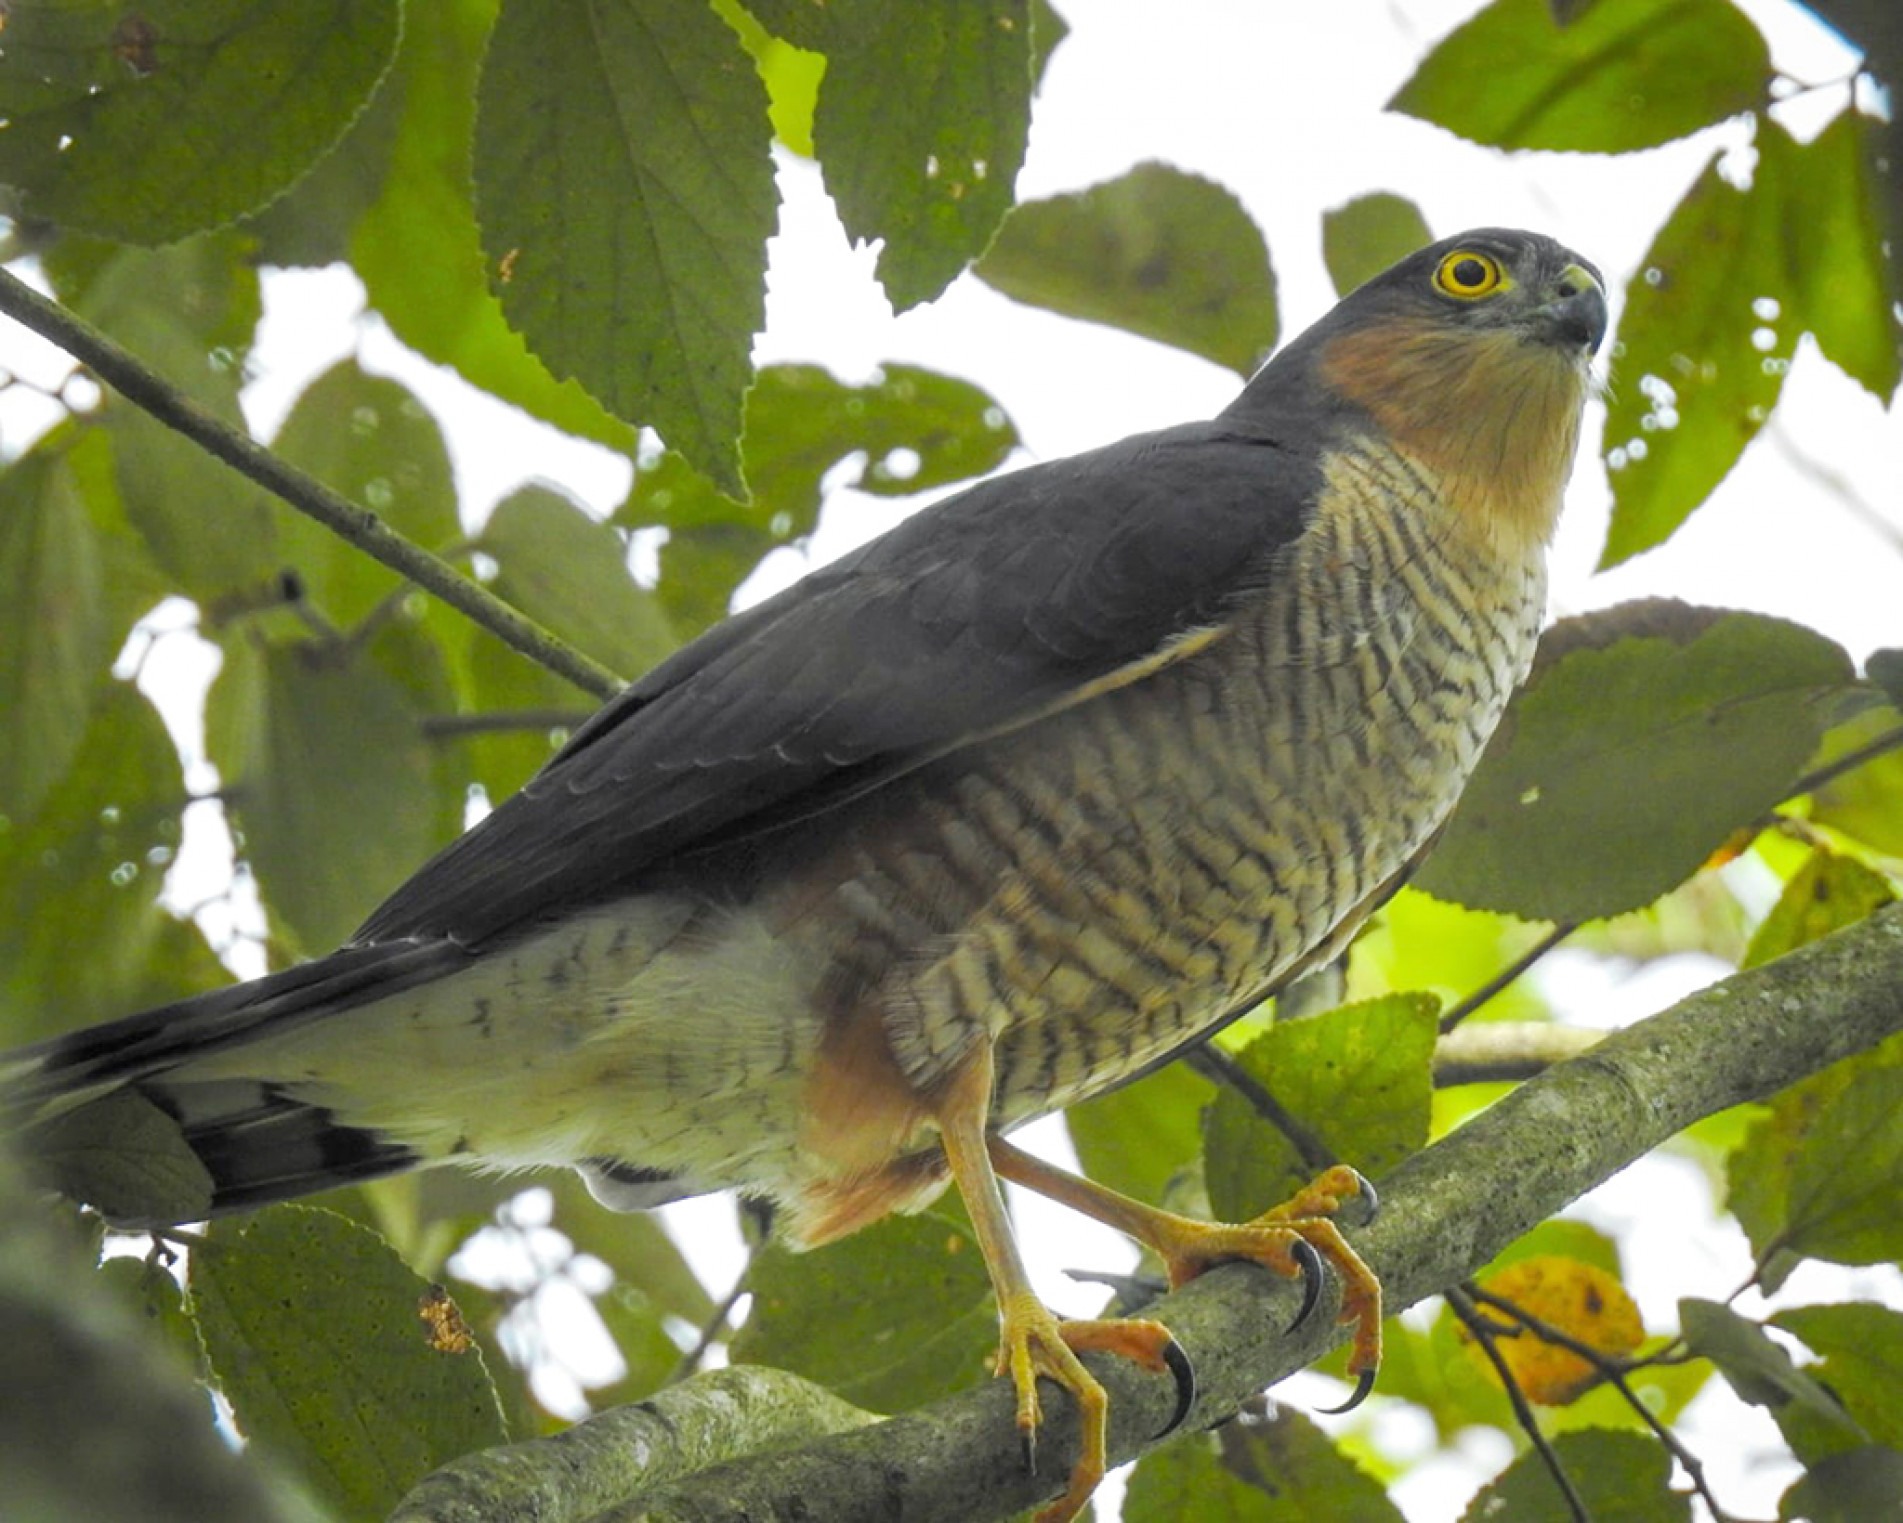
(150, 1292)
(372, 440)
(624, 186)
(570, 574)
(417, 248)
(1861, 1344)
(1275, 1469)
(307, 737)
(1624, 74)
(920, 129)
(124, 1157)
(791, 75)
(1835, 245)
(1865, 803)
(1828, 893)
(1364, 236)
(1847, 1175)
(1618, 1475)
(890, 1318)
(1566, 1239)
(1762, 1373)
(1703, 345)
(313, 1330)
(88, 871)
(1140, 1138)
(1157, 252)
(1646, 736)
(1885, 669)
(915, 430)
(1358, 1076)
(53, 628)
(148, 124)
(1852, 1487)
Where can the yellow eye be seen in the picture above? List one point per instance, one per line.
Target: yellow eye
(1468, 274)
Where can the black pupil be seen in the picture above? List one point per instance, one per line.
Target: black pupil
(1470, 272)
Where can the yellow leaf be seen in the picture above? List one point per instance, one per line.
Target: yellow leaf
(1576, 1298)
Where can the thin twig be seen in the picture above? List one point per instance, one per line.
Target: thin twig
(1613, 1372)
(1485, 1333)
(1507, 975)
(1810, 782)
(709, 1330)
(1219, 1067)
(146, 389)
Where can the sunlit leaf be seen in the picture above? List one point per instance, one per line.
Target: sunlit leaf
(1362, 237)
(1358, 1077)
(1275, 1469)
(1828, 893)
(1617, 1475)
(625, 193)
(889, 1318)
(1623, 74)
(148, 124)
(790, 73)
(1703, 345)
(1158, 252)
(920, 129)
(417, 249)
(1581, 1300)
(1646, 736)
(316, 1333)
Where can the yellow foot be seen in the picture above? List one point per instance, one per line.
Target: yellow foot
(1034, 1342)
(1294, 1239)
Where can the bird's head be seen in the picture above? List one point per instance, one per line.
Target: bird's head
(1472, 359)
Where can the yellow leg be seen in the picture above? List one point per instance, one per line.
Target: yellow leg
(1188, 1247)
(1032, 1341)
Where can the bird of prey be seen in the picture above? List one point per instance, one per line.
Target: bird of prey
(993, 814)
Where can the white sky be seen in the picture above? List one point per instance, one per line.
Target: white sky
(1283, 105)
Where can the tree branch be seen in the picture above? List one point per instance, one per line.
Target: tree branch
(1446, 1212)
(145, 388)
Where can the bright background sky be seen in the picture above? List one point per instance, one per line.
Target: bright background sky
(1283, 105)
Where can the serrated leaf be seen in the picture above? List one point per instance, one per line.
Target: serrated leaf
(1139, 1138)
(624, 187)
(889, 1318)
(417, 249)
(1827, 893)
(1761, 1372)
(791, 75)
(53, 628)
(1847, 1175)
(305, 737)
(1603, 786)
(1703, 345)
(147, 125)
(1852, 1487)
(1861, 1343)
(1157, 252)
(570, 574)
(1835, 245)
(126, 1158)
(920, 130)
(314, 1330)
(1357, 1076)
(1275, 1469)
(88, 872)
(157, 1299)
(1623, 74)
(1362, 237)
(1618, 1475)
(371, 439)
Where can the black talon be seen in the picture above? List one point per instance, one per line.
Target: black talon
(1310, 1263)
(1364, 1383)
(1028, 1441)
(1360, 1209)
(1177, 1358)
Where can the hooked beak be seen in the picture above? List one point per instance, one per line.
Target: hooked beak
(1575, 314)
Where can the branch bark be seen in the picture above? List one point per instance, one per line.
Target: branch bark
(1446, 1212)
(145, 388)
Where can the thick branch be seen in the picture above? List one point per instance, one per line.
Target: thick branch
(344, 518)
(1446, 1212)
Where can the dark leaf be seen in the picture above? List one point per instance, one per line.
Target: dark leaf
(125, 1158)
(1364, 236)
(1826, 894)
(1158, 252)
(1853, 1487)
(1762, 1373)
(1623, 74)
(625, 192)
(1861, 1344)
(1847, 1175)
(1618, 1475)
(1647, 735)
(920, 129)
(317, 1334)
(146, 125)
(1276, 1469)
(1140, 1138)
